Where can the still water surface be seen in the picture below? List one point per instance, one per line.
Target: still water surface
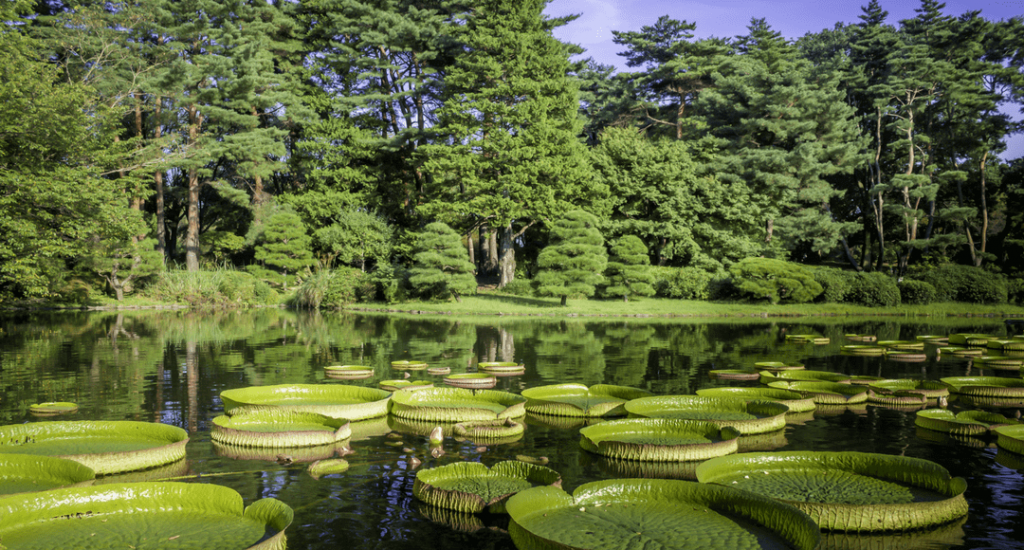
(170, 367)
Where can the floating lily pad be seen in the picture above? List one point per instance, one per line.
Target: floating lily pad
(748, 417)
(898, 400)
(906, 356)
(927, 388)
(932, 338)
(861, 337)
(947, 438)
(815, 339)
(796, 402)
(813, 375)
(777, 366)
(863, 379)
(167, 472)
(761, 442)
(408, 365)
(985, 386)
(471, 380)
(847, 491)
(561, 422)
(1000, 362)
(662, 513)
(278, 428)
(502, 368)
(439, 371)
(949, 535)
(26, 473)
(965, 423)
(577, 400)
(472, 487)
(334, 400)
(971, 340)
(983, 402)
(485, 430)
(348, 372)
(960, 352)
(294, 455)
(825, 393)
(659, 440)
(862, 349)
(185, 516)
(907, 345)
(322, 468)
(403, 384)
(734, 374)
(1011, 438)
(105, 446)
(456, 405)
(52, 409)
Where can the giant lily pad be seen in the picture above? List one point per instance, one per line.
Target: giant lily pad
(862, 349)
(408, 365)
(825, 393)
(812, 375)
(456, 405)
(905, 356)
(960, 352)
(971, 340)
(1000, 362)
(985, 386)
(1011, 438)
(348, 372)
(24, 473)
(489, 430)
(334, 400)
(53, 408)
(105, 446)
(652, 514)
(796, 402)
(903, 345)
(579, 401)
(777, 366)
(403, 384)
(964, 423)
(927, 388)
(295, 455)
(617, 468)
(748, 417)
(180, 516)
(815, 339)
(861, 337)
(659, 440)
(734, 374)
(502, 368)
(847, 491)
(471, 380)
(278, 428)
(472, 487)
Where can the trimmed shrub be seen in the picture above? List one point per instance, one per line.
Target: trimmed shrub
(683, 283)
(836, 284)
(775, 280)
(348, 285)
(964, 283)
(874, 289)
(629, 269)
(442, 267)
(916, 292)
(519, 287)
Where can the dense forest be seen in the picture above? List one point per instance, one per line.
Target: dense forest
(292, 139)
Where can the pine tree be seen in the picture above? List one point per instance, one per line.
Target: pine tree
(285, 245)
(629, 269)
(441, 263)
(573, 262)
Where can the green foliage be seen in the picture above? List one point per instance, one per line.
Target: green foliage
(1015, 291)
(220, 288)
(520, 286)
(354, 237)
(221, 245)
(684, 283)
(774, 281)
(392, 282)
(963, 283)
(837, 284)
(121, 263)
(916, 292)
(629, 269)
(441, 264)
(284, 244)
(572, 263)
(335, 288)
(874, 289)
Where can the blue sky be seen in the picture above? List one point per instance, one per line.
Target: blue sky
(727, 18)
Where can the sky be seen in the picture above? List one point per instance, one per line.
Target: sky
(729, 18)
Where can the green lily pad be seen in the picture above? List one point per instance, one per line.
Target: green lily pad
(825, 393)
(456, 405)
(734, 374)
(294, 455)
(927, 388)
(898, 400)
(905, 345)
(326, 467)
(577, 400)
(861, 337)
(905, 356)
(813, 375)
(439, 371)
(659, 440)
(471, 380)
(815, 339)
(489, 430)
(472, 487)
(105, 446)
(796, 402)
(1000, 362)
(862, 349)
(1011, 438)
(155, 516)
(618, 468)
(983, 402)
(403, 384)
(971, 340)
(777, 366)
(561, 422)
(502, 368)
(278, 428)
(964, 423)
(26, 473)
(985, 386)
(761, 442)
(408, 365)
(652, 514)
(847, 491)
(52, 409)
(348, 372)
(748, 417)
(960, 352)
(932, 338)
(334, 400)
(167, 472)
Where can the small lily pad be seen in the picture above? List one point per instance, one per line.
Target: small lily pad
(747, 417)
(825, 393)
(456, 405)
(971, 340)
(577, 400)
(985, 386)
(188, 516)
(472, 487)
(279, 428)
(906, 356)
(321, 468)
(905, 345)
(348, 372)
(862, 349)
(486, 430)
(796, 402)
(334, 400)
(960, 352)
(964, 423)
(105, 446)
(439, 371)
(408, 365)
(1011, 438)
(847, 491)
(471, 380)
(52, 409)
(778, 366)
(734, 374)
(659, 440)
(861, 337)
(999, 362)
(768, 377)
(502, 368)
(26, 473)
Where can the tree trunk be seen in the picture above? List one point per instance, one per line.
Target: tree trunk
(158, 184)
(625, 298)
(490, 253)
(507, 345)
(984, 212)
(192, 237)
(471, 248)
(507, 261)
(769, 227)
(564, 298)
(192, 383)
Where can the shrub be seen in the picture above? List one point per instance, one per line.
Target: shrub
(964, 283)
(874, 289)
(348, 285)
(774, 280)
(519, 287)
(1015, 291)
(684, 283)
(212, 288)
(916, 292)
(629, 270)
(442, 267)
(836, 284)
(573, 261)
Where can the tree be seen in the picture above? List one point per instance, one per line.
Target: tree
(122, 261)
(629, 269)
(284, 244)
(441, 263)
(573, 262)
(354, 237)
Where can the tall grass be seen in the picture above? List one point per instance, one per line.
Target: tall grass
(212, 288)
(313, 290)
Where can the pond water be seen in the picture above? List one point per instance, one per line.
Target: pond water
(170, 367)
